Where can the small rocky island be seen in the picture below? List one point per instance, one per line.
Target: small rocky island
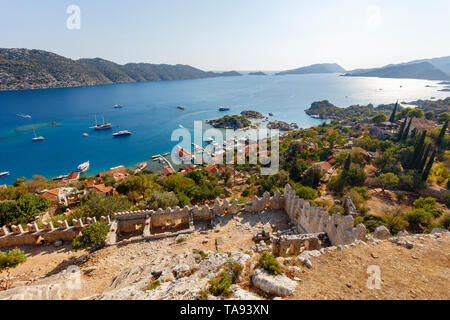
(258, 73)
(230, 122)
(250, 114)
(282, 126)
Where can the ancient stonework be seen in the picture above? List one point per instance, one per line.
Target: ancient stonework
(311, 224)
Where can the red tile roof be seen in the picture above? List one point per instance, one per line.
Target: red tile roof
(73, 176)
(101, 188)
(324, 165)
(117, 173)
(51, 195)
(167, 171)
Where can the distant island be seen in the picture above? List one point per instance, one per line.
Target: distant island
(429, 69)
(315, 68)
(230, 122)
(252, 114)
(258, 73)
(326, 110)
(22, 69)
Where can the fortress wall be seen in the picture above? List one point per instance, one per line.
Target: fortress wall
(307, 219)
(340, 230)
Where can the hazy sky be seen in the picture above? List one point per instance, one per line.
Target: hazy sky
(231, 34)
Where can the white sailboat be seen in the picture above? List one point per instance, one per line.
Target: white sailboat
(6, 173)
(36, 138)
(84, 166)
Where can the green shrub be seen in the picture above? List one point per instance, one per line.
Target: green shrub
(11, 259)
(181, 240)
(419, 219)
(371, 222)
(445, 198)
(201, 253)
(220, 285)
(242, 200)
(337, 209)
(428, 204)
(269, 263)
(235, 270)
(94, 234)
(445, 223)
(153, 285)
(395, 223)
(307, 193)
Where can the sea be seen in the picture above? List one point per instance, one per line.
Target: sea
(150, 112)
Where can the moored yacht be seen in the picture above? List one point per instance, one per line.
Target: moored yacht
(84, 166)
(6, 173)
(122, 133)
(101, 126)
(36, 138)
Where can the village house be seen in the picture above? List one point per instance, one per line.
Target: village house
(117, 173)
(61, 195)
(167, 171)
(186, 169)
(101, 189)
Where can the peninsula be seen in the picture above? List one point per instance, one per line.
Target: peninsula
(22, 69)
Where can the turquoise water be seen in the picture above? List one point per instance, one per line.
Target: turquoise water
(150, 113)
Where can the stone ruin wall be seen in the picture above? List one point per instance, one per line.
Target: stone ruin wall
(16, 236)
(307, 220)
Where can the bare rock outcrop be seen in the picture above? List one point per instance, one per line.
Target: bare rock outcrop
(279, 285)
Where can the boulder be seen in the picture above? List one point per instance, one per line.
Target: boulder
(241, 294)
(437, 230)
(381, 233)
(279, 285)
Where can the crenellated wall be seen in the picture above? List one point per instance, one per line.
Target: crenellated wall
(170, 222)
(340, 230)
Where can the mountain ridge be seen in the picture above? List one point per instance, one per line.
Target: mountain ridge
(428, 69)
(22, 69)
(315, 68)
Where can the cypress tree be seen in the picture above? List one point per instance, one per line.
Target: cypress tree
(413, 133)
(348, 163)
(427, 170)
(392, 119)
(406, 133)
(442, 134)
(418, 151)
(400, 131)
(421, 166)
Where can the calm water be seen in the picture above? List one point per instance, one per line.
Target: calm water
(150, 113)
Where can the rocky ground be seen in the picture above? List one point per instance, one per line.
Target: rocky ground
(413, 267)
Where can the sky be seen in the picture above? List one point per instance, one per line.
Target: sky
(232, 34)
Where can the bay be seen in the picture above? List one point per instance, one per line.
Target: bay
(149, 112)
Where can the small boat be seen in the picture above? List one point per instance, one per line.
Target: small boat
(84, 166)
(60, 178)
(141, 167)
(6, 173)
(117, 106)
(180, 107)
(101, 126)
(181, 126)
(85, 134)
(36, 138)
(122, 133)
(26, 116)
(224, 109)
